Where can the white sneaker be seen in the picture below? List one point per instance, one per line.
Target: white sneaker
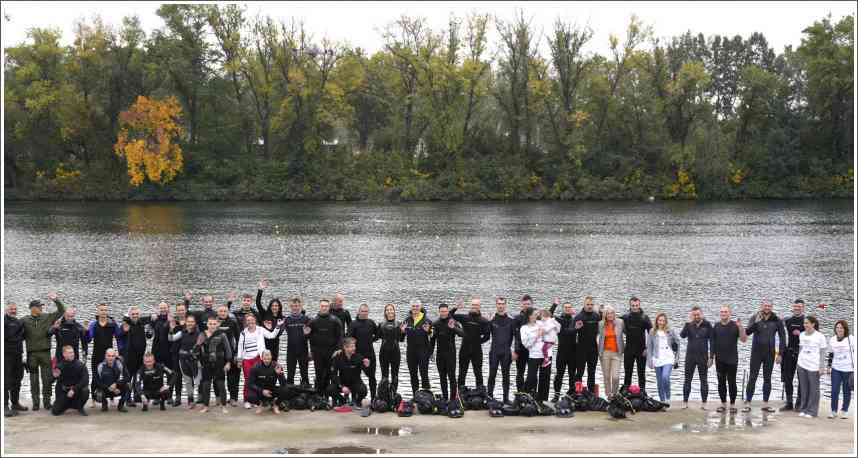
(844, 415)
(802, 414)
(246, 405)
(832, 414)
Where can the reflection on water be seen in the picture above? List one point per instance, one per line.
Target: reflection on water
(726, 422)
(670, 254)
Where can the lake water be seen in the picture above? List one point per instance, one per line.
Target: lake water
(670, 254)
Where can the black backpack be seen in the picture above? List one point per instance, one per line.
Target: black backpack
(526, 405)
(425, 402)
(495, 408)
(380, 406)
(455, 408)
(316, 402)
(440, 405)
(565, 407)
(299, 402)
(475, 399)
(405, 408)
(619, 405)
(383, 390)
(649, 404)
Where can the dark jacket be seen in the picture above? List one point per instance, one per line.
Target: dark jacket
(390, 334)
(764, 332)
(416, 339)
(793, 323)
(214, 350)
(152, 380)
(72, 374)
(160, 339)
(13, 335)
(365, 333)
(232, 329)
(296, 341)
(264, 377)
(346, 371)
(567, 334)
(102, 336)
(36, 328)
(587, 337)
(136, 336)
(503, 331)
(724, 344)
(444, 337)
(636, 326)
(699, 338)
(108, 375)
(326, 333)
(70, 333)
(343, 315)
(477, 331)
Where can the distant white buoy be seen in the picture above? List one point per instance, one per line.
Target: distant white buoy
(651, 199)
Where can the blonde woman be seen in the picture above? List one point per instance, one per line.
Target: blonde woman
(610, 349)
(662, 345)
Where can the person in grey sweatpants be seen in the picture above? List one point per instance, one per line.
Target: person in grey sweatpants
(812, 345)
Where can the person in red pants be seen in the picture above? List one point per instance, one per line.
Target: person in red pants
(251, 344)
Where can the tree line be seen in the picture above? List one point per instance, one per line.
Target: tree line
(257, 108)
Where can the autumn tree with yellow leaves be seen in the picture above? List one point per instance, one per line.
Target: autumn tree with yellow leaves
(148, 136)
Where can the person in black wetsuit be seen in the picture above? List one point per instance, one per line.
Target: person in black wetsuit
(262, 384)
(346, 368)
(68, 331)
(477, 332)
(72, 388)
(724, 347)
(232, 329)
(244, 310)
(297, 352)
(443, 341)
(586, 343)
(325, 333)
(338, 310)
(502, 329)
(565, 359)
(111, 380)
(520, 355)
(417, 328)
(391, 333)
(189, 367)
(151, 383)
(793, 327)
(13, 363)
(271, 316)
(202, 316)
(764, 326)
(636, 327)
(365, 332)
(214, 352)
(102, 332)
(134, 328)
(177, 322)
(698, 331)
(161, 335)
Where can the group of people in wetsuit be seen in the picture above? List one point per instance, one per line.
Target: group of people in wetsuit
(214, 347)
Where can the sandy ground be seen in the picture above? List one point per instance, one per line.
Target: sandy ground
(241, 431)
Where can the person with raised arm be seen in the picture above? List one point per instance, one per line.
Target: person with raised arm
(68, 331)
(36, 327)
(251, 344)
(477, 332)
(272, 318)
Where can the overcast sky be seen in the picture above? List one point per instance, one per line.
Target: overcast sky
(359, 23)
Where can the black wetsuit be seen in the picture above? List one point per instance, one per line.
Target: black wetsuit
(635, 327)
(345, 372)
(565, 359)
(443, 340)
(343, 315)
(202, 316)
(150, 382)
(105, 376)
(102, 339)
(389, 355)
(161, 341)
(73, 334)
(697, 355)
(502, 329)
(265, 314)
(135, 346)
(13, 363)
(187, 362)
(789, 358)
(174, 363)
(417, 352)
(297, 352)
(213, 353)
(763, 352)
(326, 336)
(265, 377)
(232, 329)
(477, 332)
(73, 374)
(587, 347)
(365, 333)
(521, 352)
(725, 348)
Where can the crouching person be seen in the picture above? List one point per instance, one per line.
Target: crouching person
(111, 381)
(266, 385)
(346, 369)
(154, 382)
(72, 389)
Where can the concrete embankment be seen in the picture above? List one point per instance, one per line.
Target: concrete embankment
(241, 431)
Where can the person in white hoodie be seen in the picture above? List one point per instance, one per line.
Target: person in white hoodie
(538, 376)
(811, 346)
(841, 366)
(251, 344)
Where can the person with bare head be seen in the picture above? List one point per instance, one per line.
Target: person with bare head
(520, 354)
(36, 328)
(72, 389)
(565, 358)
(214, 352)
(812, 346)
(345, 379)
(611, 349)
(477, 332)
(111, 380)
(444, 332)
(272, 317)
(251, 344)
(339, 310)
(725, 352)
(135, 332)
(154, 382)
(102, 332)
(68, 331)
(325, 333)
(587, 346)
(365, 332)
(793, 327)
(766, 327)
(177, 323)
(502, 328)
(636, 327)
(208, 310)
(160, 334)
(266, 385)
(698, 331)
(230, 327)
(13, 364)
(297, 351)
(189, 368)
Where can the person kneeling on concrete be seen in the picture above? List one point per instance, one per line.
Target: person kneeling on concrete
(346, 368)
(72, 389)
(262, 385)
(111, 381)
(150, 382)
